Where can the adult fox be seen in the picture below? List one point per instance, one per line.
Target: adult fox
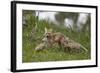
(61, 40)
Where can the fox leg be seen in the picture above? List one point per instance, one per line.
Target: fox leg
(60, 46)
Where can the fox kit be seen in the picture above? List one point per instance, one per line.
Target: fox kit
(53, 38)
(61, 40)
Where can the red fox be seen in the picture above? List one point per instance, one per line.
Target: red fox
(61, 40)
(53, 38)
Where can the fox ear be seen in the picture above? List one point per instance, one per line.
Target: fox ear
(51, 30)
(45, 30)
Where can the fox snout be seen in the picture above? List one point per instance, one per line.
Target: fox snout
(44, 40)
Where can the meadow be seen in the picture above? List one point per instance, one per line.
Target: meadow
(32, 35)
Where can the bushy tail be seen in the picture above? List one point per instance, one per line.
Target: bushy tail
(84, 48)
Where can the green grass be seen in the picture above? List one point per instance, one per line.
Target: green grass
(51, 54)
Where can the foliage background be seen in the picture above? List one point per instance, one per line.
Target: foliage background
(33, 30)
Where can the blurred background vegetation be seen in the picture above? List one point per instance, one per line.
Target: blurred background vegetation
(71, 24)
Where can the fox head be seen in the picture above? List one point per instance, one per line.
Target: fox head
(47, 34)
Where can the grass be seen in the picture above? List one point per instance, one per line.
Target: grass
(31, 39)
